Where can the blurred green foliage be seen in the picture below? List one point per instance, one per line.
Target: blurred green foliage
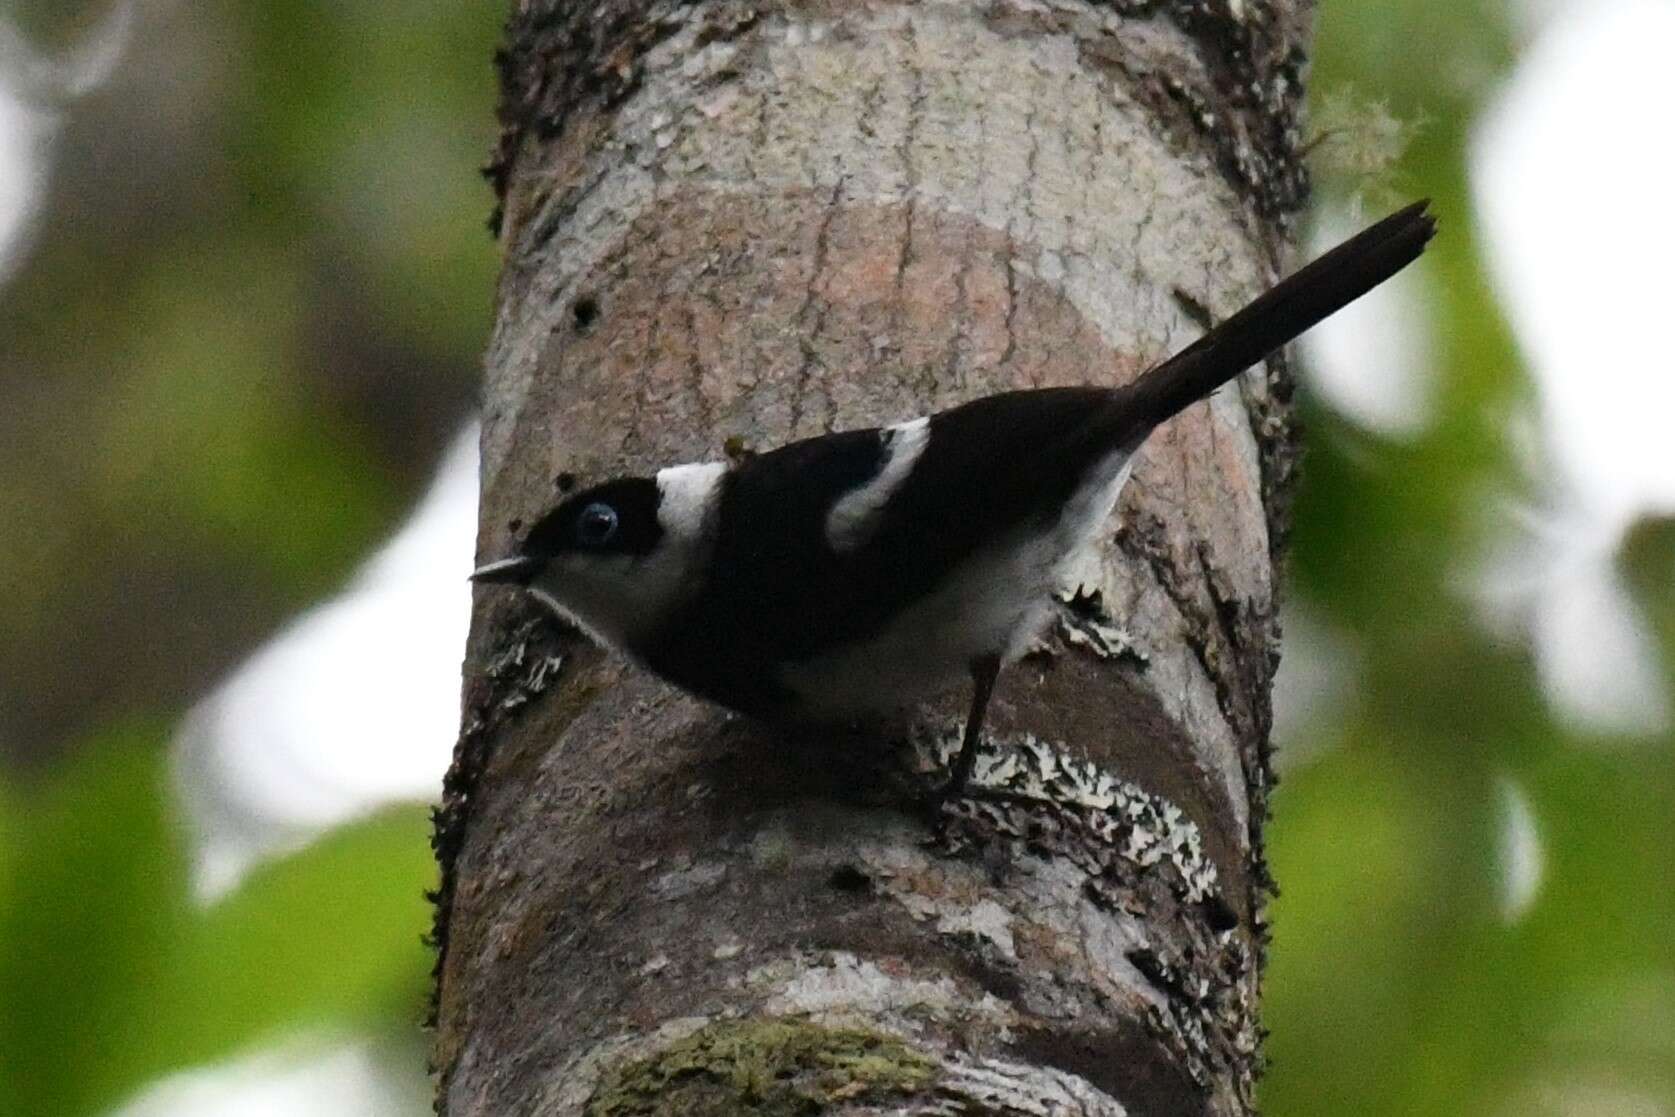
(254, 312)
(1396, 986)
(113, 974)
(252, 315)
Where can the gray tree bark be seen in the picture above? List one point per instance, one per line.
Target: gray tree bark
(733, 224)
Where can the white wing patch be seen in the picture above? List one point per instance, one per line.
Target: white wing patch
(687, 497)
(854, 518)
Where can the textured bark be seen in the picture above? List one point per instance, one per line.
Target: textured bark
(731, 225)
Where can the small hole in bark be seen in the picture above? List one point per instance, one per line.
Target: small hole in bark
(565, 482)
(514, 525)
(847, 878)
(585, 312)
(1221, 915)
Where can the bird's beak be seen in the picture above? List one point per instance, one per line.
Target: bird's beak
(517, 570)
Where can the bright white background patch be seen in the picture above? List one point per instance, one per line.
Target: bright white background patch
(22, 158)
(33, 87)
(1570, 176)
(1523, 863)
(1550, 579)
(1371, 360)
(354, 706)
(315, 1079)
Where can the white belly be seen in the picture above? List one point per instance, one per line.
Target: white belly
(996, 602)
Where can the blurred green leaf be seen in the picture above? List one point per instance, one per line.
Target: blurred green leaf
(1397, 986)
(1647, 562)
(112, 976)
(86, 936)
(253, 313)
(205, 442)
(1382, 865)
(332, 932)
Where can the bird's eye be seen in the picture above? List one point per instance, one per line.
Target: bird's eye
(596, 525)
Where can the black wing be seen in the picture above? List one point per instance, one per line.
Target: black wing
(778, 590)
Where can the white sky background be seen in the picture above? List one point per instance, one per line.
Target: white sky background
(32, 89)
(1571, 179)
(356, 703)
(24, 131)
(1370, 360)
(1571, 173)
(303, 1078)
(353, 706)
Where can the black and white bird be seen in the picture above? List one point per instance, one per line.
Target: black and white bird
(855, 572)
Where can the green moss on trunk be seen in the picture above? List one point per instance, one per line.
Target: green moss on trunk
(764, 1068)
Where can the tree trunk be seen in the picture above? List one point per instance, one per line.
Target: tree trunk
(735, 224)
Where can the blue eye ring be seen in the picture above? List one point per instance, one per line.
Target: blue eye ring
(596, 525)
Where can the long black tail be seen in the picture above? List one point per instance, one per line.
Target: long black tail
(1300, 300)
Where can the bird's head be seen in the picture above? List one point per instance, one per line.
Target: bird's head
(617, 557)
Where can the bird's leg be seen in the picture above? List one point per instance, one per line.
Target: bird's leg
(984, 669)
